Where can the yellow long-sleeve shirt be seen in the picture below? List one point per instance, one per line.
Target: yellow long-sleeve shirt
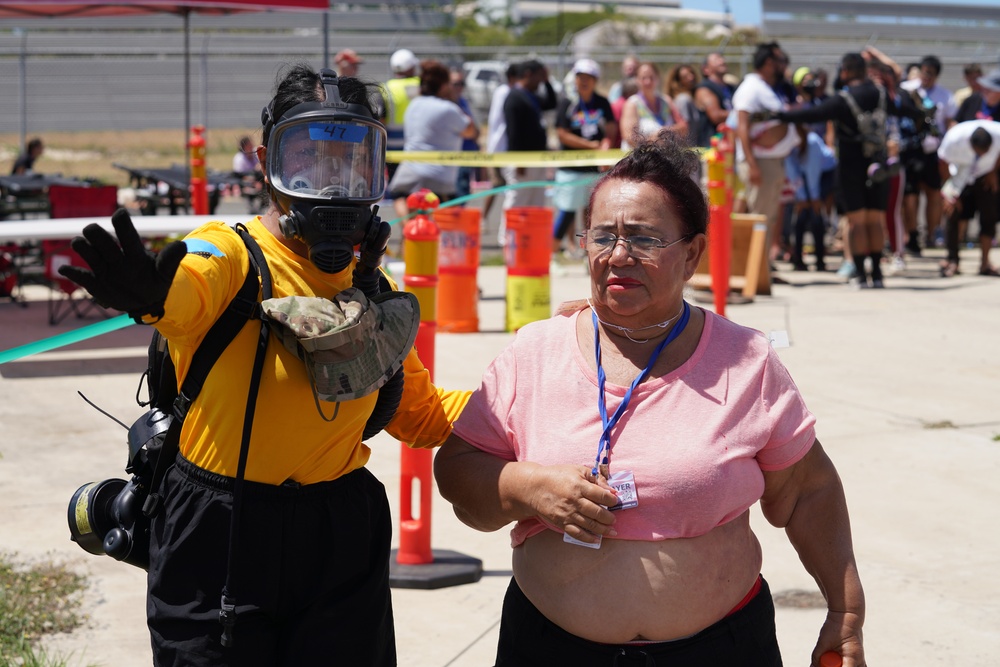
(290, 440)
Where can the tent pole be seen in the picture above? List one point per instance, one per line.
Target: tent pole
(326, 39)
(22, 62)
(187, 105)
(204, 83)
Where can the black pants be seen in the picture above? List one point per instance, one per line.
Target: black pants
(975, 198)
(311, 575)
(808, 220)
(744, 639)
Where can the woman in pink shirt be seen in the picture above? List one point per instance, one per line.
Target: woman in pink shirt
(628, 438)
(649, 110)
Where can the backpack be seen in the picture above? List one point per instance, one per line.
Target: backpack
(872, 130)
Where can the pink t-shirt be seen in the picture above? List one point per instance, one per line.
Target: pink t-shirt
(697, 439)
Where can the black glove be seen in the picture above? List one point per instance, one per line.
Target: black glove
(763, 116)
(366, 273)
(128, 278)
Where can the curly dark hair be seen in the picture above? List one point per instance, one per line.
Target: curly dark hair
(669, 163)
(299, 82)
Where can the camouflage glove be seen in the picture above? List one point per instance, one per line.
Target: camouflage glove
(127, 277)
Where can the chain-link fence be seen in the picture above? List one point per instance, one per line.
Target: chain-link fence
(133, 77)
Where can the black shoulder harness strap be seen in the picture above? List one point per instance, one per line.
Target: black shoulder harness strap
(227, 611)
(242, 308)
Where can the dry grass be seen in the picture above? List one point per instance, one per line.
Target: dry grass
(35, 600)
(91, 154)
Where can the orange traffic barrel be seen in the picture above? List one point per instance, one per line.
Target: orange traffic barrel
(527, 252)
(458, 266)
(528, 246)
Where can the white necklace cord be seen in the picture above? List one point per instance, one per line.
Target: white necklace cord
(627, 330)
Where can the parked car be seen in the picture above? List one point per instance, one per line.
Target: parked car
(482, 77)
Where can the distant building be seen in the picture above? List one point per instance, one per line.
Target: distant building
(655, 10)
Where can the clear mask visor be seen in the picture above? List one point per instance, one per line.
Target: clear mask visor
(327, 158)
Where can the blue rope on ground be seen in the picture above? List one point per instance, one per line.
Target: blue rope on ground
(67, 338)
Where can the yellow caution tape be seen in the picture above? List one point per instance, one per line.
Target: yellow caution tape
(515, 159)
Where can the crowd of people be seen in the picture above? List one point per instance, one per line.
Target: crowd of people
(801, 159)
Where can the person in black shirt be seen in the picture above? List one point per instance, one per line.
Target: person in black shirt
(862, 184)
(585, 123)
(985, 104)
(525, 131)
(908, 147)
(713, 96)
(25, 162)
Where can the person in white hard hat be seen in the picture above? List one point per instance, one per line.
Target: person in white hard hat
(403, 87)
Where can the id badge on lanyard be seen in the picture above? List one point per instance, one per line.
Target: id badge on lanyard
(623, 481)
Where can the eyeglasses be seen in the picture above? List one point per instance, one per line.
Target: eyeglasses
(640, 247)
(458, 84)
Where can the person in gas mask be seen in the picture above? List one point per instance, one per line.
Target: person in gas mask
(309, 582)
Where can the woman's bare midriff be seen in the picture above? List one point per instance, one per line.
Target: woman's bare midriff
(771, 136)
(635, 590)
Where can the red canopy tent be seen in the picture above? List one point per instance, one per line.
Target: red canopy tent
(184, 8)
(74, 8)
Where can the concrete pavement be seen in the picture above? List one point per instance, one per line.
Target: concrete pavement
(904, 383)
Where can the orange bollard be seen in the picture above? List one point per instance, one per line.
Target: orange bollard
(420, 237)
(527, 253)
(458, 266)
(830, 659)
(719, 225)
(414, 564)
(199, 177)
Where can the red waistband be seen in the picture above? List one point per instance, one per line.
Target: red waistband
(754, 590)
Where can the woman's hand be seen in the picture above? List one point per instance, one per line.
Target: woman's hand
(807, 500)
(570, 499)
(841, 633)
(489, 492)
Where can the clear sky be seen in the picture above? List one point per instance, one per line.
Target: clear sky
(748, 11)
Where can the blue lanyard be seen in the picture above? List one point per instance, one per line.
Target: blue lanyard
(987, 112)
(604, 446)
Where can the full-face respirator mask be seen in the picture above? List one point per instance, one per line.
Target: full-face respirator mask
(325, 169)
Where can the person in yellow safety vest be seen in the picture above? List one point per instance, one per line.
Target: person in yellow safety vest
(403, 87)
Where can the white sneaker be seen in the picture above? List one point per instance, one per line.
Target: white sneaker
(557, 269)
(857, 284)
(898, 264)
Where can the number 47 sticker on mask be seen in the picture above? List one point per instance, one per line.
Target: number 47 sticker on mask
(350, 133)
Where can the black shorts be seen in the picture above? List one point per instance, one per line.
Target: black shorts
(921, 169)
(976, 198)
(311, 578)
(854, 193)
(746, 638)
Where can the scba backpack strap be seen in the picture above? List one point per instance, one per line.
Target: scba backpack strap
(871, 124)
(162, 379)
